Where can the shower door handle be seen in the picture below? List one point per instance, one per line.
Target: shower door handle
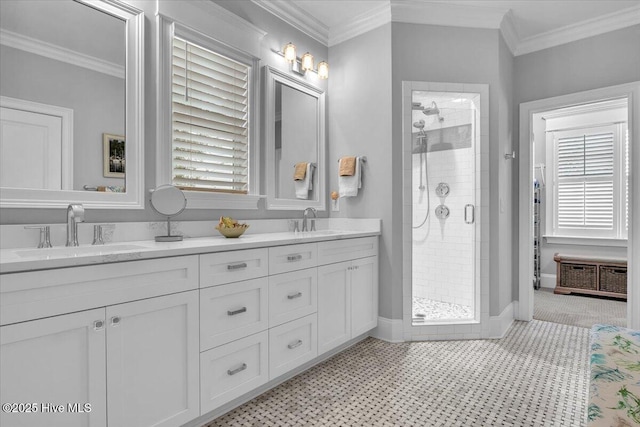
(469, 214)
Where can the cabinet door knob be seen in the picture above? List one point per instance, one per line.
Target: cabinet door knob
(98, 325)
(293, 296)
(238, 369)
(293, 345)
(115, 320)
(238, 311)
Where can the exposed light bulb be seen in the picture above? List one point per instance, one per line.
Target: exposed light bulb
(289, 52)
(323, 70)
(307, 61)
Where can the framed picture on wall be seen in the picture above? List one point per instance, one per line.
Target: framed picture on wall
(113, 155)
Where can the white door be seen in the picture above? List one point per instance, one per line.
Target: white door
(364, 295)
(52, 363)
(153, 361)
(334, 306)
(30, 150)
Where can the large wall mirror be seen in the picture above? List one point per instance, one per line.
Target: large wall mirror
(294, 135)
(71, 93)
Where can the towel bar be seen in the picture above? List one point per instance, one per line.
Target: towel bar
(363, 159)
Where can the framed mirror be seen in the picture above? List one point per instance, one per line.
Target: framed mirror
(295, 142)
(71, 93)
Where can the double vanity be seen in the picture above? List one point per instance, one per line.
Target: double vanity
(167, 334)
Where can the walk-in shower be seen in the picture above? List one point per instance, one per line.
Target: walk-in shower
(445, 127)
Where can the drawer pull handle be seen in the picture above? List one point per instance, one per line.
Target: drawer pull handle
(238, 369)
(238, 311)
(294, 296)
(293, 345)
(236, 266)
(297, 257)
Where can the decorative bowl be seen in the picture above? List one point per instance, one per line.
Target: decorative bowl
(232, 232)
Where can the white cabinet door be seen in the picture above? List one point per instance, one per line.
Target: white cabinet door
(52, 362)
(334, 306)
(153, 361)
(364, 295)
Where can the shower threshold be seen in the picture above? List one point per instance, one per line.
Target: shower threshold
(425, 310)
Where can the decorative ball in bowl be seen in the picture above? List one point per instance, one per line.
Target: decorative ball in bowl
(230, 228)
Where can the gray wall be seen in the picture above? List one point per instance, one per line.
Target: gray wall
(605, 60)
(278, 34)
(459, 55)
(360, 125)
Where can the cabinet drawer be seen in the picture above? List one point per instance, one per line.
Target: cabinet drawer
(36, 294)
(232, 370)
(292, 344)
(292, 257)
(342, 250)
(232, 311)
(234, 266)
(292, 295)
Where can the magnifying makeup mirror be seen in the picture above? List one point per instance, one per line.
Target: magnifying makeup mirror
(169, 201)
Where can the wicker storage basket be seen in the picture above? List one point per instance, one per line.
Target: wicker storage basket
(578, 276)
(613, 279)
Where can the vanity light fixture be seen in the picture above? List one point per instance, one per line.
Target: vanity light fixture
(302, 65)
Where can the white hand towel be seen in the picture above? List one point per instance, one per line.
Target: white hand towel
(348, 185)
(305, 185)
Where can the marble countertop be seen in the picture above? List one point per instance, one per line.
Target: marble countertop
(27, 259)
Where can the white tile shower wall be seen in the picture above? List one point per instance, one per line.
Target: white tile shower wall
(443, 255)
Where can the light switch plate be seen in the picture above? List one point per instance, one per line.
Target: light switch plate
(335, 205)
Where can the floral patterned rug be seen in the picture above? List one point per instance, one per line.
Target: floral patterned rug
(614, 390)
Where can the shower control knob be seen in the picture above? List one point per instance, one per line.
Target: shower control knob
(442, 212)
(442, 190)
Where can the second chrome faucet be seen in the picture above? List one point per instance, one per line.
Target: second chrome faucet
(75, 214)
(305, 216)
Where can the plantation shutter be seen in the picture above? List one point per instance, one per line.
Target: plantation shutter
(210, 101)
(585, 181)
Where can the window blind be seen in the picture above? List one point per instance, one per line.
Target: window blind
(210, 104)
(585, 186)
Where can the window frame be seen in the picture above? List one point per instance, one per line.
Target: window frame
(168, 29)
(618, 231)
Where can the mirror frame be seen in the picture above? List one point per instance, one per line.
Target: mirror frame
(273, 76)
(134, 126)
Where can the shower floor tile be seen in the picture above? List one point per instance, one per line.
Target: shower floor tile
(426, 309)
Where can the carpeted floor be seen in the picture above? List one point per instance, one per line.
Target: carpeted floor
(537, 375)
(577, 310)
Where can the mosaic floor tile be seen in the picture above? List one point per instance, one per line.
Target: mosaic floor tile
(535, 376)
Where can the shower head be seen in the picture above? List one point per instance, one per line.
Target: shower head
(419, 124)
(431, 111)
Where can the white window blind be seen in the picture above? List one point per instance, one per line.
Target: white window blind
(210, 129)
(585, 181)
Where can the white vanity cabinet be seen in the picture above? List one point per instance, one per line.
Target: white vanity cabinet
(54, 361)
(347, 290)
(135, 363)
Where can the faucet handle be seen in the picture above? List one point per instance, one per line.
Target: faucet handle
(97, 235)
(45, 234)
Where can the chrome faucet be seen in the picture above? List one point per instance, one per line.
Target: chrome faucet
(305, 215)
(75, 214)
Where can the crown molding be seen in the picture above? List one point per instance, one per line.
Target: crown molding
(447, 14)
(581, 30)
(374, 18)
(59, 53)
(509, 32)
(296, 17)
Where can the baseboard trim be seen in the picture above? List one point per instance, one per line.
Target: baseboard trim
(548, 281)
(499, 325)
(389, 330)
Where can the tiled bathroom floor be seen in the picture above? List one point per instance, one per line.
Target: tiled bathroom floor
(537, 375)
(437, 310)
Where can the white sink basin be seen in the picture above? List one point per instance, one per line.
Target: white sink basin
(77, 251)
